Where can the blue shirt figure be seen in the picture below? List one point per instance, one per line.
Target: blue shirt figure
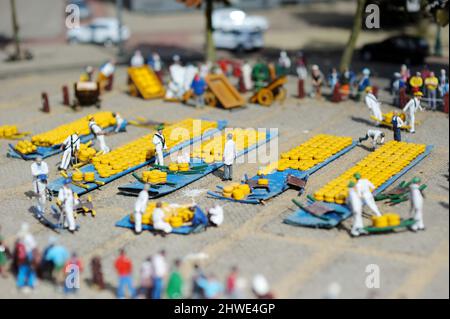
(365, 81)
(151, 61)
(198, 85)
(333, 78)
(397, 123)
(199, 218)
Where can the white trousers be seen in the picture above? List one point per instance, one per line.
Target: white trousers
(377, 113)
(138, 222)
(159, 158)
(165, 227)
(370, 202)
(102, 144)
(417, 213)
(67, 157)
(69, 220)
(412, 121)
(40, 189)
(357, 221)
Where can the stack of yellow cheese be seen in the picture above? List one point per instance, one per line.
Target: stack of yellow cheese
(59, 134)
(147, 82)
(142, 149)
(263, 182)
(307, 155)
(378, 167)
(86, 153)
(212, 150)
(175, 215)
(89, 177)
(154, 177)
(8, 130)
(236, 191)
(387, 117)
(25, 147)
(387, 220)
(77, 176)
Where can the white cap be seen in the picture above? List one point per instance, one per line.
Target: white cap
(315, 67)
(176, 58)
(366, 71)
(260, 285)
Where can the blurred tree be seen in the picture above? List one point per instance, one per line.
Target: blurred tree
(209, 8)
(438, 9)
(351, 44)
(15, 26)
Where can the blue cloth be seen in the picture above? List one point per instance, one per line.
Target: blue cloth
(198, 86)
(333, 79)
(123, 127)
(58, 255)
(26, 276)
(397, 130)
(199, 218)
(151, 61)
(158, 287)
(363, 84)
(210, 288)
(125, 282)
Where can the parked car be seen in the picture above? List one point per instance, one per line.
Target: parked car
(232, 18)
(239, 40)
(402, 49)
(235, 30)
(85, 12)
(100, 31)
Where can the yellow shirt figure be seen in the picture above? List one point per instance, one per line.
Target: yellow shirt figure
(432, 83)
(416, 82)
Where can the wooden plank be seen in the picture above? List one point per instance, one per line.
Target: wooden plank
(226, 93)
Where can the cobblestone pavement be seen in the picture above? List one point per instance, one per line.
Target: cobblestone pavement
(299, 262)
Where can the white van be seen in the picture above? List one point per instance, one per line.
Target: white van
(239, 40)
(99, 31)
(235, 30)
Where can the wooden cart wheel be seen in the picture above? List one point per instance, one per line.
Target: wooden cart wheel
(187, 96)
(281, 96)
(133, 90)
(210, 99)
(265, 97)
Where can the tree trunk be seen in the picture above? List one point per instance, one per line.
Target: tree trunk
(15, 26)
(210, 46)
(351, 44)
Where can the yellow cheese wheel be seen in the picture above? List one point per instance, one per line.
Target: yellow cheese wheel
(380, 222)
(77, 176)
(89, 176)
